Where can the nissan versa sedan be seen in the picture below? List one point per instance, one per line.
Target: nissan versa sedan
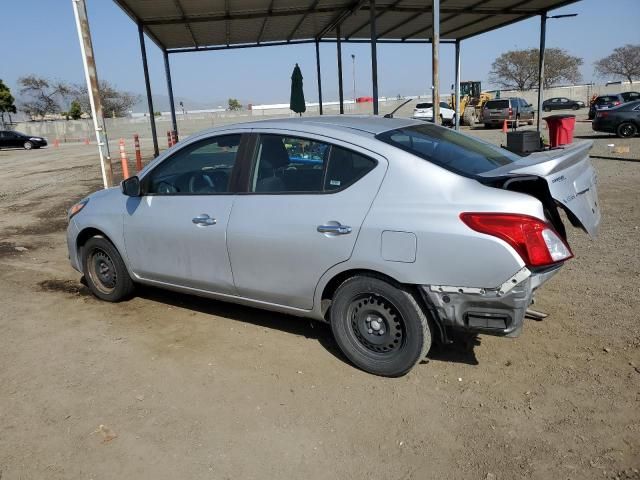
(394, 231)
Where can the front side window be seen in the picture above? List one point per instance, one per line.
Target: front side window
(451, 150)
(297, 165)
(203, 167)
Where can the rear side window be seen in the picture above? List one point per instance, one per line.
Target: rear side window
(298, 165)
(448, 149)
(607, 99)
(497, 104)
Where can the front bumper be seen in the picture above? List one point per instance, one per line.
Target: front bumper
(72, 235)
(490, 311)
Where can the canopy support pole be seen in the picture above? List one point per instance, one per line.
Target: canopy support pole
(93, 89)
(374, 54)
(339, 48)
(457, 87)
(319, 78)
(543, 38)
(147, 84)
(172, 105)
(435, 60)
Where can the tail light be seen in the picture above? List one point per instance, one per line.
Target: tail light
(602, 114)
(535, 240)
(616, 103)
(510, 112)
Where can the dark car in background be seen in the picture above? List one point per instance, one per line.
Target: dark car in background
(623, 120)
(11, 139)
(513, 109)
(604, 101)
(561, 103)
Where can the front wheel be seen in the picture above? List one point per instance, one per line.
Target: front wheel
(575, 107)
(626, 129)
(106, 274)
(380, 327)
(28, 145)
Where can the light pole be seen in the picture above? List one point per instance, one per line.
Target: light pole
(353, 60)
(543, 39)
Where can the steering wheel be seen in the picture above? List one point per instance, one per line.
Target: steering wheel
(165, 187)
(201, 183)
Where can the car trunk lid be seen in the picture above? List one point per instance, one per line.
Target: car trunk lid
(570, 176)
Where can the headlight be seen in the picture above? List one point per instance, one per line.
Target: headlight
(35, 139)
(75, 209)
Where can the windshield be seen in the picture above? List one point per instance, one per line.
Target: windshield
(449, 149)
(424, 105)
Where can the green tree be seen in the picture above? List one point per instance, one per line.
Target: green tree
(75, 110)
(234, 104)
(7, 102)
(624, 62)
(518, 69)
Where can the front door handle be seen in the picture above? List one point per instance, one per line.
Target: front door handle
(203, 219)
(336, 229)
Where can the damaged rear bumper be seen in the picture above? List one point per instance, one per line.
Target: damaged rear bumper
(495, 311)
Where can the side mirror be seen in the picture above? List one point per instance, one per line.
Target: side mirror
(131, 187)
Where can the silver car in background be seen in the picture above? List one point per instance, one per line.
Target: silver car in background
(395, 231)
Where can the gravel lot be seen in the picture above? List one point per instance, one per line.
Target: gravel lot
(197, 389)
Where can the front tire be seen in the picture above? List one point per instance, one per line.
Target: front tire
(626, 130)
(379, 326)
(104, 270)
(28, 145)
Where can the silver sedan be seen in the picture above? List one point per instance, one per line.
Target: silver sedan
(394, 231)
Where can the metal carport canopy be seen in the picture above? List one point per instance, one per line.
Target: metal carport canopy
(199, 25)
(185, 25)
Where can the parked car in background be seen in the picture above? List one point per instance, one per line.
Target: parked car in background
(630, 96)
(604, 101)
(394, 231)
(424, 111)
(623, 120)
(11, 139)
(561, 103)
(513, 110)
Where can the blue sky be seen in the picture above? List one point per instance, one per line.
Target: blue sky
(48, 45)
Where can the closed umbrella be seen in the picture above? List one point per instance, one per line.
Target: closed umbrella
(296, 103)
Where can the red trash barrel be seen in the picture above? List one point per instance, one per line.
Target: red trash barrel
(560, 129)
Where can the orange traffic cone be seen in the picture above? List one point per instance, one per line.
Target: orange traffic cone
(86, 140)
(56, 143)
(505, 129)
(123, 160)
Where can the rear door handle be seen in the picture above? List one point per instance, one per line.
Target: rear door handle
(203, 219)
(337, 229)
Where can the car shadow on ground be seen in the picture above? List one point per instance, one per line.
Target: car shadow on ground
(459, 351)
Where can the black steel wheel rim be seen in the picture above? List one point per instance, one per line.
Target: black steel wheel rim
(626, 130)
(102, 271)
(376, 324)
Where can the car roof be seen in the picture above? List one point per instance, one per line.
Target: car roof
(365, 124)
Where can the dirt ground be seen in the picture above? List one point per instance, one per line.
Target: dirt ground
(187, 388)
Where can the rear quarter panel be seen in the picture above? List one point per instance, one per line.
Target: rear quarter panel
(421, 198)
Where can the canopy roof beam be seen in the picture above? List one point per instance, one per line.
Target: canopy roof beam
(311, 9)
(186, 22)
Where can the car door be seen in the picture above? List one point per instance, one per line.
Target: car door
(307, 198)
(175, 233)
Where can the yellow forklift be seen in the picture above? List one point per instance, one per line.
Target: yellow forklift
(472, 99)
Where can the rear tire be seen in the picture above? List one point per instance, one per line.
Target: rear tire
(575, 107)
(28, 145)
(547, 109)
(379, 326)
(104, 270)
(626, 130)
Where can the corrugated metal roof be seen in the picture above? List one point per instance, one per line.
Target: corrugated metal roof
(190, 24)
